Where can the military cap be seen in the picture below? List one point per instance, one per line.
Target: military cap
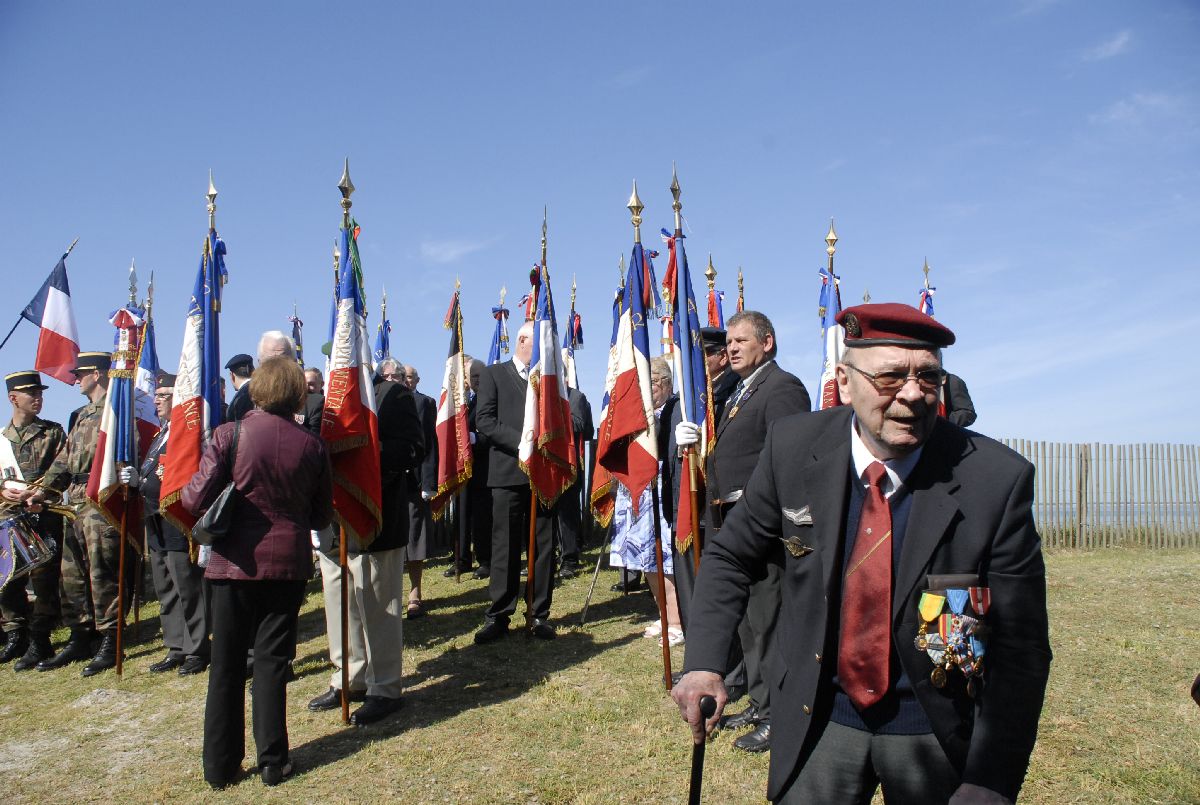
(713, 338)
(25, 380)
(240, 362)
(166, 380)
(92, 362)
(892, 324)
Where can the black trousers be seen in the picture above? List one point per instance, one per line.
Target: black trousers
(570, 523)
(510, 535)
(757, 635)
(249, 614)
(477, 533)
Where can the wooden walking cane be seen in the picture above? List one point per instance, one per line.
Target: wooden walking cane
(533, 513)
(343, 561)
(662, 583)
(121, 580)
(708, 706)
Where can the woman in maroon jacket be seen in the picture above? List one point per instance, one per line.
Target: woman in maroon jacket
(257, 572)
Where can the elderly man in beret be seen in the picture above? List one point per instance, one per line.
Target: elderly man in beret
(913, 648)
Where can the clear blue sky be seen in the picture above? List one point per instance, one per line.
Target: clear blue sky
(1043, 155)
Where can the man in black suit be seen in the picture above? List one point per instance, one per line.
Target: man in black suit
(500, 417)
(959, 407)
(177, 580)
(570, 505)
(240, 367)
(764, 393)
(314, 401)
(860, 700)
(476, 499)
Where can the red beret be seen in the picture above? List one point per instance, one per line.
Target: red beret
(892, 324)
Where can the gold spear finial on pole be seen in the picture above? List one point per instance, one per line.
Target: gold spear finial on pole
(866, 296)
(831, 239)
(741, 291)
(710, 273)
(635, 209)
(347, 187)
(211, 195)
(675, 205)
(503, 291)
(383, 303)
(621, 272)
(926, 272)
(132, 283)
(572, 292)
(71, 247)
(150, 295)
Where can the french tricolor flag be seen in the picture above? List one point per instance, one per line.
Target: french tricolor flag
(350, 425)
(51, 310)
(453, 436)
(627, 446)
(547, 451)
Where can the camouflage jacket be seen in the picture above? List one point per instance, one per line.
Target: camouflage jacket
(35, 446)
(74, 460)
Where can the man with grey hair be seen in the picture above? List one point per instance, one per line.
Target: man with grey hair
(274, 343)
(271, 344)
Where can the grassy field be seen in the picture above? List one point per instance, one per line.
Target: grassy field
(585, 720)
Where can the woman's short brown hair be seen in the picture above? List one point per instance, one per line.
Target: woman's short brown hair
(278, 386)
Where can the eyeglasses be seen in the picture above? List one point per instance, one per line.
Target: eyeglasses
(393, 376)
(892, 382)
(166, 396)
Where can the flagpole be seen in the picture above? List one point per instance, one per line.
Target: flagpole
(741, 305)
(124, 535)
(533, 501)
(139, 565)
(635, 209)
(346, 187)
(19, 318)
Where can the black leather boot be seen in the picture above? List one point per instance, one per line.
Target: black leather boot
(106, 655)
(39, 649)
(18, 642)
(79, 647)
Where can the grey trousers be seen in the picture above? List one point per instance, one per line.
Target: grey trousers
(178, 584)
(848, 764)
(375, 615)
(757, 635)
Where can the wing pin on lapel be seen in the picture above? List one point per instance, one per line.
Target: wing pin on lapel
(799, 517)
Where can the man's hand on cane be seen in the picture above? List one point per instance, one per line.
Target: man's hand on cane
(687, 695)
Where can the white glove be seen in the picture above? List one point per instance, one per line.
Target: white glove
(127, 476)
(472, 437)
(205, 553)
(687, 434)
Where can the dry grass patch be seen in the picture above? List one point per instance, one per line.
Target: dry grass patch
(585, 720)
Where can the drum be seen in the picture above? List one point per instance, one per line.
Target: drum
(22, 549)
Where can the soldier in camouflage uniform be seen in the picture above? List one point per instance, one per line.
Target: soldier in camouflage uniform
(32, 444)
(91, 548)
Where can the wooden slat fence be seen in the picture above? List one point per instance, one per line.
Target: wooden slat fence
(1104, 495)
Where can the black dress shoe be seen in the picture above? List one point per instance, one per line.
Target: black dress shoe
(167, 663)
(16, 646)
(450, 572)
(542, 629)
(193, 665)
(375, 709)
(568, 571)
(747, 718)
(106, 655)
(493, 629)
(757, 741)
(482, 572)
(39, 649)
(332, 699)
(81, 646)
(274, 775)
(633, 587)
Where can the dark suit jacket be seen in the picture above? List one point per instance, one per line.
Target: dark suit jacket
(401, 448)
(971, 513)
(480, 449)
(161, 535)
(959, 408)
(500, 415)
(721, 389)
(424, 476)
(773, 394)
(314, 407)
(240, 405)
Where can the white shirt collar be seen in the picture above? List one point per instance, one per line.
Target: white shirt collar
(520, 366)
(745, 384)
(898, 469)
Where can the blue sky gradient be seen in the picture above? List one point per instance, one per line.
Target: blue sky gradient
(1043, 155)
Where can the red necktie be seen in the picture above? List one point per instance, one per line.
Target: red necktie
(865, 650)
